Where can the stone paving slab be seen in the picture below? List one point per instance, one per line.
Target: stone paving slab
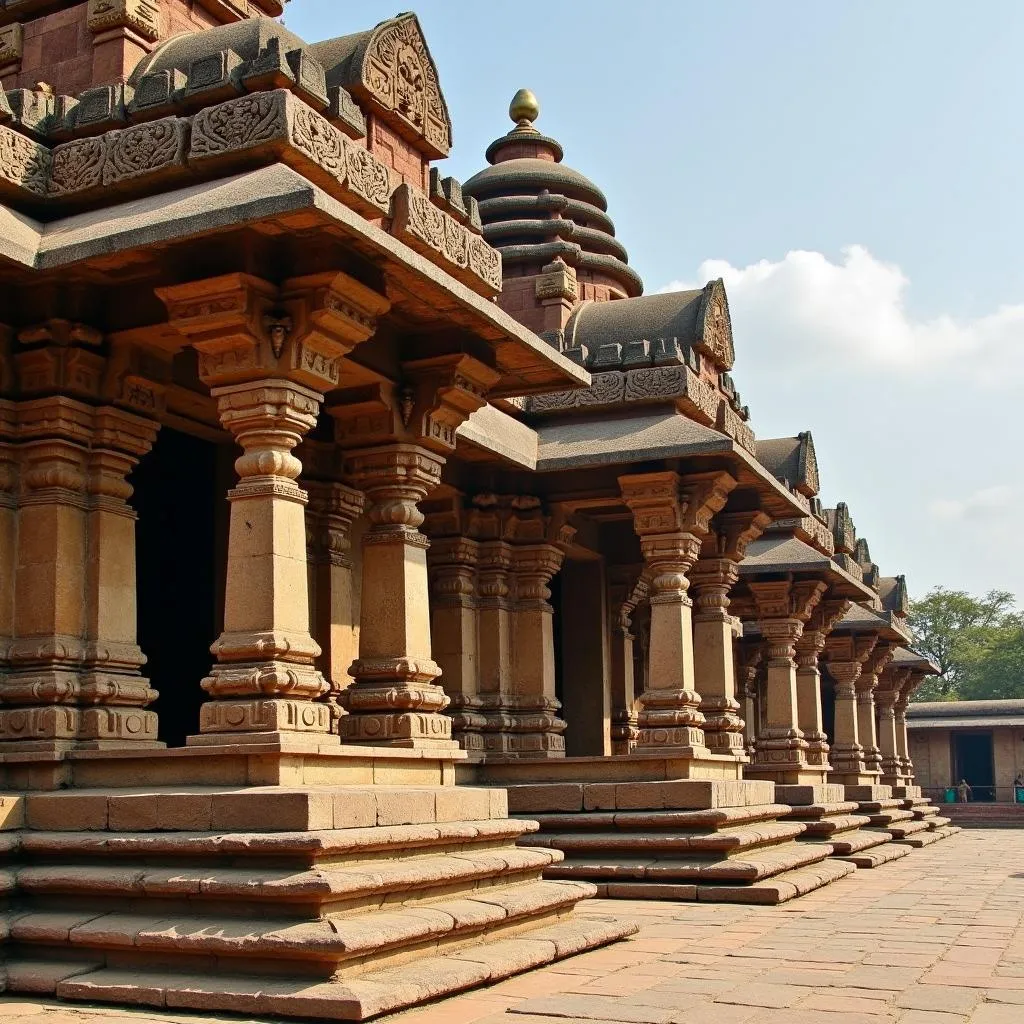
(934, 938)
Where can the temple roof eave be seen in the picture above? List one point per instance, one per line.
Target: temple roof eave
(264, 195)
(774, 555)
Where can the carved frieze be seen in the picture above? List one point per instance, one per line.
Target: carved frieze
(142, 16)
(423, 226)
(77, 166)
(288, 127)
(24, 162)
(715, 326)
(144, 149)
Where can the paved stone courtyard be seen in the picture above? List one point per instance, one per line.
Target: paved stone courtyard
(935, 938)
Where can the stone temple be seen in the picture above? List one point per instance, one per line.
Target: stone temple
(381, 572)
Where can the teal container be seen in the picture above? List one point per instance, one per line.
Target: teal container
(951, 795)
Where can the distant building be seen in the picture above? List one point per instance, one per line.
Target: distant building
(981, 741)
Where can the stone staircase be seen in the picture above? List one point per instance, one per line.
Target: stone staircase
(338, 902)
(713, 841)
(984, 815)
(907, 826)
(831, 820)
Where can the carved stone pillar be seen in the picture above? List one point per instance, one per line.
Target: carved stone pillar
(867, 685)
(624, 729)
(714, 672)
(8, 518)
(808, 679)
(892, 768)
(394, 700)
(264, 349)
(494, 604)
(843, 656)
(534, 712)
(902, 741)
(783, 607)
(333, 508)
(671, 516)
(711, 579)
(453, 630)
(74, 678)
(749, 656)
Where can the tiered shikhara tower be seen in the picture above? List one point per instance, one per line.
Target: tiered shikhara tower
(270, 448)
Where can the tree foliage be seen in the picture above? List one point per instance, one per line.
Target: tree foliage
(978, 644)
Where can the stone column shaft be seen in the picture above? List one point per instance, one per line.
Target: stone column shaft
(74, 678)
(892, 768)
(265, 679)
(847, 752)
(623, 684)
(808, 697)
(714, 671)
(394, 700)
(333, 508)
(454, 633)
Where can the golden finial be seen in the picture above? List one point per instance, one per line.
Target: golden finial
(524, 109)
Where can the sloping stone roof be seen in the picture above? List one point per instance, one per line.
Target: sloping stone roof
(792, 460)
(773, 553)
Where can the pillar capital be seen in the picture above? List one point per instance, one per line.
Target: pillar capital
(732, 532)
(667, 503)
(246, 328)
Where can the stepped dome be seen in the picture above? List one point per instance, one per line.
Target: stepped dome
(535, 209)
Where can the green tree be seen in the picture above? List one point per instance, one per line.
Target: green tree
(960, 633)
(998, 672)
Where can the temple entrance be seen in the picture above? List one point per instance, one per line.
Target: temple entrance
(180, 500)
(974, 762)
(583, 685)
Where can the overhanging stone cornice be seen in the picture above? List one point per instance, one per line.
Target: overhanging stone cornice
(268, 195)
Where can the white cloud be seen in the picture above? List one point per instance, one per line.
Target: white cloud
(915, 419)
(853, 312)
(981, 504)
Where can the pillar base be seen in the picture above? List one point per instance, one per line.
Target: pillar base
(792, 774)
(229, 721)
(61, 727)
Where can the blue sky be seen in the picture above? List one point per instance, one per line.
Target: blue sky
(853, 170)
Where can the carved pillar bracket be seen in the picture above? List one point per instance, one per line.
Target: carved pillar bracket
(394, 700)
(263, 349)
(672, 515)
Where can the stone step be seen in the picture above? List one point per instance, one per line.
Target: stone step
(702, 821)
(638, 795)
(749, 867)
(877, 806)
(876, 855)
(391, 841)
(816, 811)
(779, 888)
(337, 941)
(368, 995)
(856, 842)
(884, 819)
(393, 880)
(256, 808)
(834, 825)
(903, 829)
(936, 821)
(724, 842)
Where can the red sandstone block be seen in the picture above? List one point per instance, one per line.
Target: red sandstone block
(405, 806)
(463, 804)
(66, 812)
(355, 808)
(273, 811)
(60, 44)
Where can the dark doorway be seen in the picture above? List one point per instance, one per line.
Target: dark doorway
(828, 709)
(974, 762)
(180, 502)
